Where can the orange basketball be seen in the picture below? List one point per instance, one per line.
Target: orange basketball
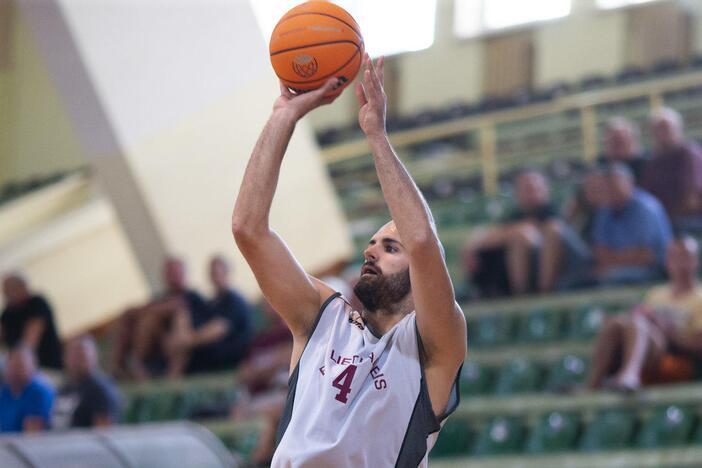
(314, 42)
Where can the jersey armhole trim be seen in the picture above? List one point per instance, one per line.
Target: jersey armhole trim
(322, 308)
(454, 398)
(423, 385)
(292, 381)
(455, 393)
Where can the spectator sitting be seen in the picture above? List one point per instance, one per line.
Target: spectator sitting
(634, 345)
(529, 249)
(143, 332)
(220, 342)
(674, 174)
(630, 234)
(621, 144)
(25, 398)
(29, 321)
(264, 378)
(88, 398)
(591, 196)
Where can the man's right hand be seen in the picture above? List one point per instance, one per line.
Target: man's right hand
(298, 105)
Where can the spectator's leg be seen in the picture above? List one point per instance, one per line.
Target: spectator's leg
(551, 255)
(523, 238)
(490, 276)
(644, 344)
(607, 350)
(122, 342)
(146, 334)
(263, 452)
(575, 266)
(175, 344)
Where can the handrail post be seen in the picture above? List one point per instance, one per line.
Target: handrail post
(655, 100)
(488, 154)
(588, 122)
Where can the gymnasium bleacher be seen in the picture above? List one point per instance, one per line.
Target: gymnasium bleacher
(521, 353)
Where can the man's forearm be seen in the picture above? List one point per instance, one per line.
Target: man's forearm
(406, 203)
(261, 177)
(608, 258)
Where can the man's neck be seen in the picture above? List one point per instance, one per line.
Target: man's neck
(683, 286)
(19, 388)
(382, 320)
(671, 148)
(625, 156)
(20, 301)
(81, 376)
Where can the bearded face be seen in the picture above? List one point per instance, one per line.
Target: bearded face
(378, 291)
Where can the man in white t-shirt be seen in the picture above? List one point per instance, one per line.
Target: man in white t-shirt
(368, 388)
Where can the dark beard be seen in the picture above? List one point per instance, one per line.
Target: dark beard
(382, 292)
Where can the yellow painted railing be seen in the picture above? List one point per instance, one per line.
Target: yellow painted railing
(485, 125)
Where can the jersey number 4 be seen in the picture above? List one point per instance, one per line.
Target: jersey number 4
(343, 383)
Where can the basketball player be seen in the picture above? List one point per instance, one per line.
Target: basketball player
(368, 388)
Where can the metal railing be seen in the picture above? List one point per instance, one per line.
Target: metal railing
(486, 125)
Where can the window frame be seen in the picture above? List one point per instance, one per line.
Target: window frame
(488, 33)
(601, 9)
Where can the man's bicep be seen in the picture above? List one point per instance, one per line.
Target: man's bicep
(284, 283)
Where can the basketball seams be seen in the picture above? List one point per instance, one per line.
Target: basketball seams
(328, 75)
(357, 31)
(290, 46)
(344, 41)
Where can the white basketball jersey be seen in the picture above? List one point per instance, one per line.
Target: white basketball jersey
(356, 400)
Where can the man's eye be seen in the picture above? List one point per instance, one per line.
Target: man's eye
(389, 249)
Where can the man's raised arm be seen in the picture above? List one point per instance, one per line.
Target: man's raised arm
(440, 321)
(289, 290)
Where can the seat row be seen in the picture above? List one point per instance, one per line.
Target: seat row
(665, 68)
(520, 375)
(668, 425)
(540, 325)
(193, 403)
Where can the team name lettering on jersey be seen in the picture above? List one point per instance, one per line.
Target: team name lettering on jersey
(376, 374)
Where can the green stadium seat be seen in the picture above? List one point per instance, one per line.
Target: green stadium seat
(585, 322)
(492, 331)
(668, 426)
(454, 439)
(611, 429)
(243, 443)
(160, 407)
(199, 404)
(133, 410)
(697, 435)
(518, 376)
(556, 432)
(500, 436)
(567, 372)
(540, 326)
(476, 379)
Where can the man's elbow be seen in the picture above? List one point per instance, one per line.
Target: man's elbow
(424, 241)
(245, 231)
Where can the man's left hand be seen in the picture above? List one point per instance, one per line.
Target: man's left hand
(371, 98)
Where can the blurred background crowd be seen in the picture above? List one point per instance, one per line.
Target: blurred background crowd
(557, 143)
